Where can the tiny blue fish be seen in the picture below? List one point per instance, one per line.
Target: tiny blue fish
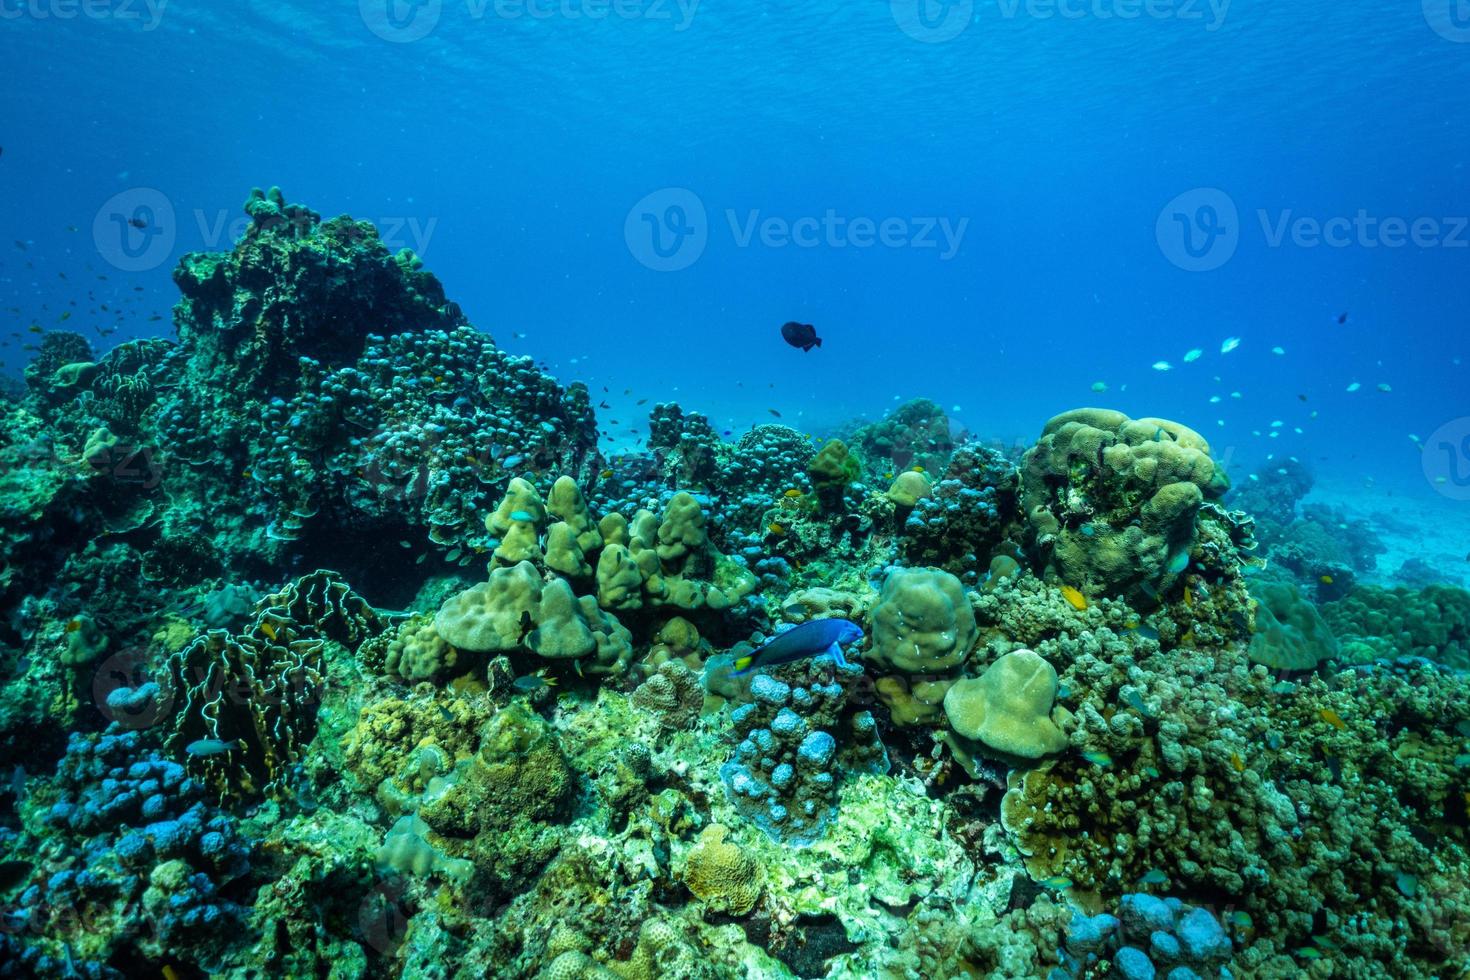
(812, 639)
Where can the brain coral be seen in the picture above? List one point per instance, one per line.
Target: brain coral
(1111, 502)
(723, 875)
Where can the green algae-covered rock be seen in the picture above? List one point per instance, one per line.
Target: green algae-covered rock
(831, 471)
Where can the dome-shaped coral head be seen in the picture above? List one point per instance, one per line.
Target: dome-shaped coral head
(817, 638)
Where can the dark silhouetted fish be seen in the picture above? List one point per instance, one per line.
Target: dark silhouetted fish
(802, 335)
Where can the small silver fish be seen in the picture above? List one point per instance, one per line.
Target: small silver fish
(205, 747)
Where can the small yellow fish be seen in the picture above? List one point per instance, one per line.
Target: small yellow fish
(606, 474)
(775, 528)
(1326, 580)
(917, 468)
(36, 328)
(888, 475)
(1077, 599)
(792, 494)
(1236, 762)
(73, 626)
(438, 379)
(268, 630)
(1333, 718)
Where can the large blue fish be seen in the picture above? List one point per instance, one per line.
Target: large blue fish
(816, 638)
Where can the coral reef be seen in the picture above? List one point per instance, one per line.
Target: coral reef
(1432, 622)
(1112, 503)
(792, 741)
(500, 731)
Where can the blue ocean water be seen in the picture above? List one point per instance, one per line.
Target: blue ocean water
(995, 205)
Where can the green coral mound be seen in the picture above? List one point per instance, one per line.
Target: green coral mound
(1010, 707)
(831, 471)
(922, 623)
(1112, 503)
(1290, 633)
(1433, 622)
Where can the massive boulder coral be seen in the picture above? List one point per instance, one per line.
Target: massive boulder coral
(1010, 708)
(1111, 503)
(922, 623)
(323, 394)
(1290, 633)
